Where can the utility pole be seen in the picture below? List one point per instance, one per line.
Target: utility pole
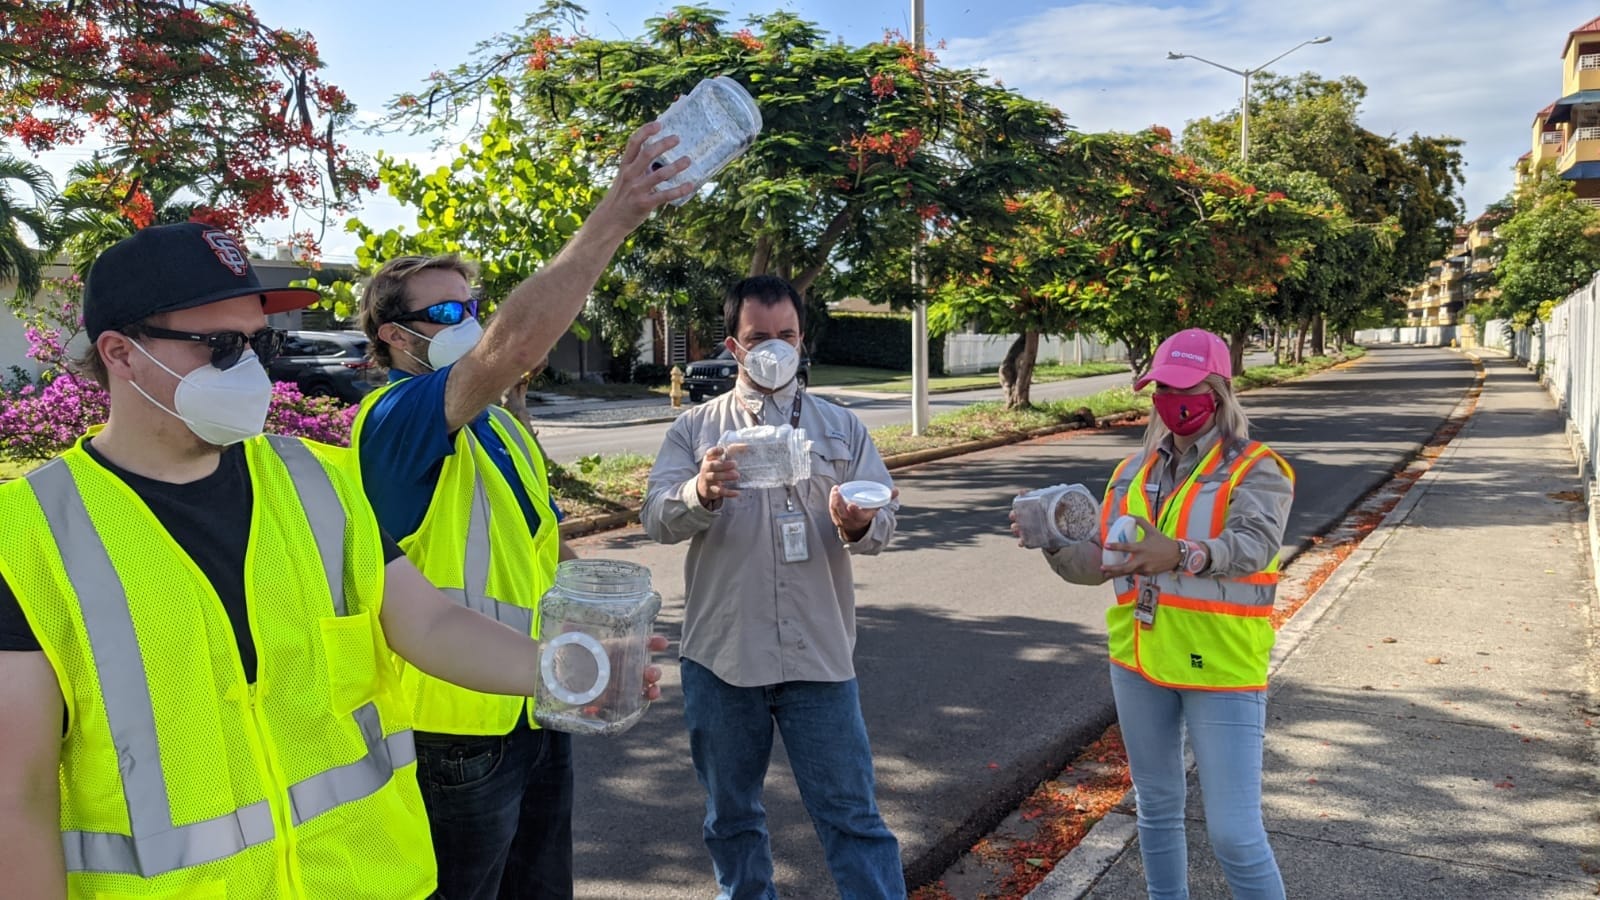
(919, 315)
(1244, 99)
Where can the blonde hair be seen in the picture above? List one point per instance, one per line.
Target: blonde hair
(384, 297)
(1230, 418)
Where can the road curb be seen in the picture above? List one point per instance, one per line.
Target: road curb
(621, 423)
(1081, 869)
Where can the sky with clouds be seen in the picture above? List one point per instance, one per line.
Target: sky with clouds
(1474, 69)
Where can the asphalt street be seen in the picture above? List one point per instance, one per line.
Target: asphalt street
(981, 673)
(566, 443)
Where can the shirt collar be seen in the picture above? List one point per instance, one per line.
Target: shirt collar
(756, 402)
(1169, 450)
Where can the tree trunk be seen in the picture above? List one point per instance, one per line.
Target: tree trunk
(1319, 336)
(763, 254)
(1240, 337)
(1016, 372)
(1300, 341)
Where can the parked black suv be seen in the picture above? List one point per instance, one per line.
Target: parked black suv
(325, 364)
(710, 377)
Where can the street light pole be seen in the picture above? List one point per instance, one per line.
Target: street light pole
(919, 315)
(1247, 74)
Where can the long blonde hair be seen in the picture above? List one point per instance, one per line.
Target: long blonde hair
(1230, 418)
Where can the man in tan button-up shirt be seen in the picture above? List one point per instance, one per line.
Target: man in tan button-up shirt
(769, 616)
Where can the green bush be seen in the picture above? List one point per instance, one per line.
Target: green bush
(874, 340)
(652, 374)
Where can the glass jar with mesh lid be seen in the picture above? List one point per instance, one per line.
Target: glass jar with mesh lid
(595, 625)
(1053, 517)
(715, 123)
(769, 456)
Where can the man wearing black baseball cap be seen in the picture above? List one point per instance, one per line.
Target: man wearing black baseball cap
(196, 622)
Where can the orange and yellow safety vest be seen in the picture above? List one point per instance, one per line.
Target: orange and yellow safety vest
(1210, 633)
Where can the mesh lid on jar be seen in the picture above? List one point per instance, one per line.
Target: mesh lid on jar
(602, 578)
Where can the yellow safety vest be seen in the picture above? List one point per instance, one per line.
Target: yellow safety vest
(475, 544)
(179, 779)
(1209, 633)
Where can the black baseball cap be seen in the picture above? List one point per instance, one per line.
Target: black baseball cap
(171, 267)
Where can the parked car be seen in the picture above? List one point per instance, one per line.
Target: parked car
(710, 377)
(325, 364)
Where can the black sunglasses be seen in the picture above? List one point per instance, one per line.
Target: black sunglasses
(445, 312)
(227, 346)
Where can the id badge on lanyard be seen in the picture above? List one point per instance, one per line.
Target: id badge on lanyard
(1145, 606)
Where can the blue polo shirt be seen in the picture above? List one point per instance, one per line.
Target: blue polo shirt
(404, 443)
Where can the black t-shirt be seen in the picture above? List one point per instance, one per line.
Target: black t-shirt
(210, 520)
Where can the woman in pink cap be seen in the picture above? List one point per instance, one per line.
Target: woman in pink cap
(1191, 632)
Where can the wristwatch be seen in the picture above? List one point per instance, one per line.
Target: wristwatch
(1191, 557)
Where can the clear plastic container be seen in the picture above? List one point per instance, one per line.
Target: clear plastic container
(715, 123)
(1053, 517)
(595, 629)
(769, 456)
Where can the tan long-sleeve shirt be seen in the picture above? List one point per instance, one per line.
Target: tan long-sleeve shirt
(749, 617)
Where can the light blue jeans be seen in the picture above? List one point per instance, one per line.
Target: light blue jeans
(1226, 729)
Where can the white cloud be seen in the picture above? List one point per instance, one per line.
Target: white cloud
(1473, 69)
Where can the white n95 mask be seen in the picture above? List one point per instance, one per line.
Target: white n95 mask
(451, 343)
(221, 406)
(771, 363)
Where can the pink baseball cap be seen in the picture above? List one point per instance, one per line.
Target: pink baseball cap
(1185, 359)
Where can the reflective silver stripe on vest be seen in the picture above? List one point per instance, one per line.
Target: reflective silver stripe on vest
(360, 779)
(512, 427)
(475, 569)
(323, 510)
(1208, 489)
(156, 846)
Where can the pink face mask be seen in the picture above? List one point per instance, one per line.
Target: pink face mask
(1185, 414)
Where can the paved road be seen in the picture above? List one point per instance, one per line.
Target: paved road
(567, 443)
(981, 673)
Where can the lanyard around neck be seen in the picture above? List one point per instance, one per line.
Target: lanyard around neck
(794, 412)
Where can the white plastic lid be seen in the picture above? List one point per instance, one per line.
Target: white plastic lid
(566, 681)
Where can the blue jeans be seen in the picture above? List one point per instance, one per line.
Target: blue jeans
(730, 739)
(500, 809)
(1226, 729)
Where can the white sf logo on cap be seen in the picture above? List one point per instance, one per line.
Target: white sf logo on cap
(228, 252)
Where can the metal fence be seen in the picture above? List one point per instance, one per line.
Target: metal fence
(1562, 350)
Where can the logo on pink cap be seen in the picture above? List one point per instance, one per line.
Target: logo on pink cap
(1185, 359)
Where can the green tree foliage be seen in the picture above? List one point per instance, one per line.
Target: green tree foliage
(1147, 242)
(861, 145)
(506, 201)
(22, 212)
(1549, 247)
(1180, 245)
(202, 87)
(1311, 124)
(93, 212)
(1015, 285)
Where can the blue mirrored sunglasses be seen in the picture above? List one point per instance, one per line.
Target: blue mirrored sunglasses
(445, 312)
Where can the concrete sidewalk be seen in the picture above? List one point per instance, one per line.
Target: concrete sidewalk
(1432, 727)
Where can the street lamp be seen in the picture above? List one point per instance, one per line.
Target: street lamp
(1247, 74)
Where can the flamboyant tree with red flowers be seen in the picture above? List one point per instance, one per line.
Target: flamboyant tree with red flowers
(199, 91)
(860, 145)
(1144, 243)
(1180, 245)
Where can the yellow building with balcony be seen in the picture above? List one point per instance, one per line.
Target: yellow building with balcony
(1568, 130)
